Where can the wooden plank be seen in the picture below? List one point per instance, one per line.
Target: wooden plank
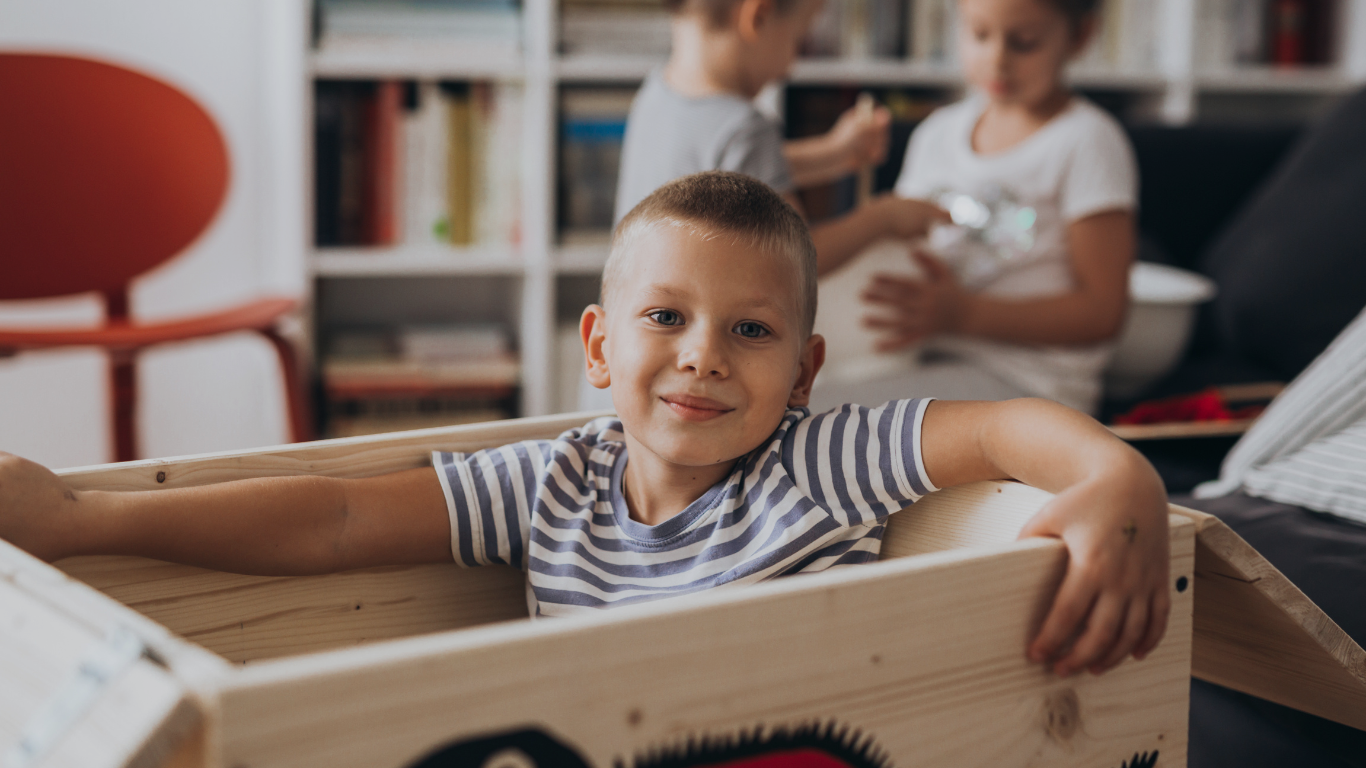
(1256, 632)
(134, 719)
(246, 618)
(343, 457)
(924, 654)
(1181, 429)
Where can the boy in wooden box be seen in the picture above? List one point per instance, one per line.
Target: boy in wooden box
(712, 473)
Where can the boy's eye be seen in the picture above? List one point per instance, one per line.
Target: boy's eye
(666, 317)
(1023, 44)
(751, 330)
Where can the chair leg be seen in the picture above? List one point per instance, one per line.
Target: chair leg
(300, 424)
(123, 391)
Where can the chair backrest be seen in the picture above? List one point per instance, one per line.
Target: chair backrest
(105, 173)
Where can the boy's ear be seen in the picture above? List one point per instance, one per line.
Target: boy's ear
(751, 16)
(813, 357)
(593, 331)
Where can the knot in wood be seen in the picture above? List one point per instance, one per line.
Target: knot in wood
(1062, 714)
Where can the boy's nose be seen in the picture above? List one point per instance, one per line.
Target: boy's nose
(702, 354)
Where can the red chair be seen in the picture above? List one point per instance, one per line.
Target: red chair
(106, 173)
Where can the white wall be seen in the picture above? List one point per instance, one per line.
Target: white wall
(244, 61)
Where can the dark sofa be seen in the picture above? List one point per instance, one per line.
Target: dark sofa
(1278, 220)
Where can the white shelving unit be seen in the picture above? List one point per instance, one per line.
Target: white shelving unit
(1174, 87)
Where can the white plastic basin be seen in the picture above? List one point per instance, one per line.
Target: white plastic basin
(1162, 307)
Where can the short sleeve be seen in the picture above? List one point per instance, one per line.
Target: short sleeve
(1102, 174)
(489, 495)
(916, 177)
(755, 148)
(859, 463)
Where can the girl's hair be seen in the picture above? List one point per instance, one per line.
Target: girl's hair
(1076, 11)
(716, 12)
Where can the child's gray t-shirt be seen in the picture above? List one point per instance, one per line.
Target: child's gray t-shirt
(815, 495)
(669, 135)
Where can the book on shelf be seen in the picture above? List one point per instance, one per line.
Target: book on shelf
(418, 163)
(629, 27)
(476, 28)
(592, 126)
(1284, 33)
(1125, 38)
(859, 29)
(418, 376)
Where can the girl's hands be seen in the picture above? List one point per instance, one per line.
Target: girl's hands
(934, 304)
(1113, 600)
(35, 508)
(860, 138)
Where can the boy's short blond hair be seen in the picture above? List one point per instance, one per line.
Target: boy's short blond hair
(716, 12)
(718, 204)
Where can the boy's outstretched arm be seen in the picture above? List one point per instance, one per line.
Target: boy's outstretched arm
(1110, 508)
(270, 526)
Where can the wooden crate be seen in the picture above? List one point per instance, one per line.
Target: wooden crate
(915, 660)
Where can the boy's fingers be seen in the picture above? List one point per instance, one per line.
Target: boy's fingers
(1157, 623)
(1134, 629)
(1070, 606)
(1102, 627)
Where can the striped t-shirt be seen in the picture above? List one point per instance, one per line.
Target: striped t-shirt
(814, 495)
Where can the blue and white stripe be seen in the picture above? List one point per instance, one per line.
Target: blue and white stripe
(815, 495)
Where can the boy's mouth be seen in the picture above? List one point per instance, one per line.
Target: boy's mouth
(695, 408)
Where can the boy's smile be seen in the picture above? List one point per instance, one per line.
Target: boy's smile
(703, 344)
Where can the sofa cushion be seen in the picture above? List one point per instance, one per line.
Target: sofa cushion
(1291, 268)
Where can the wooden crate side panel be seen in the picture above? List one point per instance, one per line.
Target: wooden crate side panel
(345, 457)
(246, 618)
(925, 655)
(1256, 632)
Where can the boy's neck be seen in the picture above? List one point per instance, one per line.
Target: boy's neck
(657, 490)
(706, 62)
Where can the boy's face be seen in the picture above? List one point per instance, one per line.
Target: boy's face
(702, 344)
(1015, 50)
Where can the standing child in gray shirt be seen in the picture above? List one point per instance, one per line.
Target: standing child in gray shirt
(697, 114)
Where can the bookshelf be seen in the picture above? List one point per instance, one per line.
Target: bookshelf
(539, 278)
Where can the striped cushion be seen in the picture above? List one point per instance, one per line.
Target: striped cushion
(1309, 448)
(1328, 474)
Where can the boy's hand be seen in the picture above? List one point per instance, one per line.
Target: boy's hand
(1113, 600)
(862, 138)
(34, 503)
(920, 308)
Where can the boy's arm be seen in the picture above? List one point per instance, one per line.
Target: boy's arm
(1110, 508)
(857, 140)
(270, 526)
(839, 240)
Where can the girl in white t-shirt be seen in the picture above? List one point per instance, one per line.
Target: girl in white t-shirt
(1033, 316)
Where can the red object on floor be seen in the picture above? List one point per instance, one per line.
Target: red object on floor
(107, 174)
(1208, 405)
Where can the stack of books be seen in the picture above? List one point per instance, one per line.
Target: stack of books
(860, 29)
(420, 164)
(592, 125)
(479, 28)
(1282, 33)
(630, 27)
(414, 377)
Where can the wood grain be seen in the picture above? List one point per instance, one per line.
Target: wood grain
(1256, 632)
(925, 654)
(343, 457)
(246, 618)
